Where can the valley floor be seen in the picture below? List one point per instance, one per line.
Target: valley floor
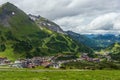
(30, 74)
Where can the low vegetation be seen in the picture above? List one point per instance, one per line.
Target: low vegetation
(60, 75)
(92, 65)
(114, 50)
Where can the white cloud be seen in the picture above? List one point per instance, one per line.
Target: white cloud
(104, 22)
(117, 23)
(107, 23)
(70, 22)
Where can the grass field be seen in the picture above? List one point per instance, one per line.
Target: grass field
(59, 75)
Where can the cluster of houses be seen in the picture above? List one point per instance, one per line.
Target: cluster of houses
(99, 58)
(31, 63)
(87, 58)
(45, 61)
(36, 61)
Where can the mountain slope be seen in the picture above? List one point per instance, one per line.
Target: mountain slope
(82, 39)
(21, 37)
(114, 49)
(11, 16)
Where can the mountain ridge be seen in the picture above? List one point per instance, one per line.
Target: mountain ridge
(24, 38)
(43, 22)
(82, 39)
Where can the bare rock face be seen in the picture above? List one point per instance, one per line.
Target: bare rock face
(7, 11)
(4, 16)
(46, 23)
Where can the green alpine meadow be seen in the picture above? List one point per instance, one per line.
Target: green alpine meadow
(60, 75)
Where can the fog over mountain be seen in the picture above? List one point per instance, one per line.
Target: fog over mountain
(81, 16)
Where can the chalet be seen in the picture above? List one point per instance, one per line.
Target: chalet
(17, 64)
(31, 65)
(45, 64)
(56, 65)
(4, 61)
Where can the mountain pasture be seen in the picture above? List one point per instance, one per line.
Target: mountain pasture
(59, 75)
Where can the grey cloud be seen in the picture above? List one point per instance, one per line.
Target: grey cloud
(75, 15)
(107, 27)
(53, 9)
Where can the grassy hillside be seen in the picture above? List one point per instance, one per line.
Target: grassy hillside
(21, 37)
(114, 49)
(83, 39)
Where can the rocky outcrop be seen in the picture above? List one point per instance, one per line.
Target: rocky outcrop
(46, 23)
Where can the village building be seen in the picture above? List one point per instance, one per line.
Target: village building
(17, 64)
(4, 61)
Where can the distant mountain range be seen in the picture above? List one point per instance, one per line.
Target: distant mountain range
(23, 35)
(105, 40)
(82, 39)
(95, 41)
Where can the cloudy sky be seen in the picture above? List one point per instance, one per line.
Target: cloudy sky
(81, 16)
